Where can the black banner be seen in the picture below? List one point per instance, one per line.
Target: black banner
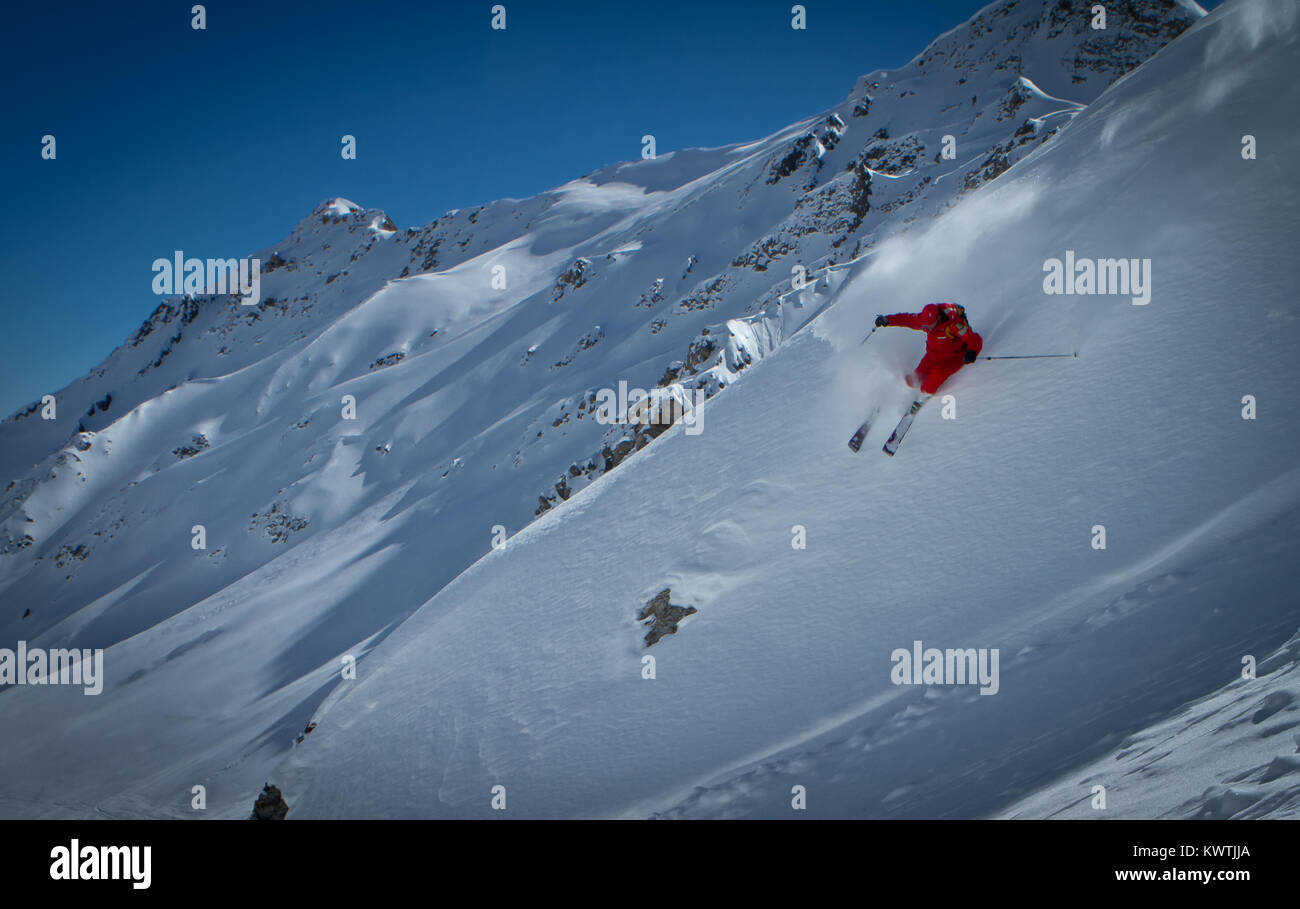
(322, 859)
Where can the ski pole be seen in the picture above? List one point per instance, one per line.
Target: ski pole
(1029, 356)
(868, 337)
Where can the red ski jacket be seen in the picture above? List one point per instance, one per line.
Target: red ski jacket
(946, 339)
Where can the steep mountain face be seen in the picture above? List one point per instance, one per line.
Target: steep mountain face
(349, 445)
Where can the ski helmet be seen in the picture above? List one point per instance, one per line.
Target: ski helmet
(953, 317)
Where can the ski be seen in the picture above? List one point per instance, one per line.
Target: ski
(855, 443)
(896, 438)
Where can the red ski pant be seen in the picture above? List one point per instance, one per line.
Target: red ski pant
(933, 371)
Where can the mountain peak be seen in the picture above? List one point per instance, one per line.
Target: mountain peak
(1071, 52)
(338, 207)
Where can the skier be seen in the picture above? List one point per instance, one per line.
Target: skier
(950, 342)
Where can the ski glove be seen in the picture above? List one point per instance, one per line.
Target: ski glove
(881, 322)
(971, 356)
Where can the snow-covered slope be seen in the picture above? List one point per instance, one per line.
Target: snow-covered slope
(526, 672)
(523, 666)
(1234, 753)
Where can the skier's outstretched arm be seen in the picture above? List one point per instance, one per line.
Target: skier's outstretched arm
(919, 321)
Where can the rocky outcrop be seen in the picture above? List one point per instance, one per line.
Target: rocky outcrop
(270, 805)
(197, 444)
(573, 277)
(277, 523)
(662, 617)
(391, 359)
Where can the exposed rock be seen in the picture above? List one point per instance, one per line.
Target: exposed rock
(275, 262)
(795, 158)
(662, 617)
(655, 295)
(12, 545)
(707, 297)
(391, 359)
(199, 443)
(270, 805)
(277, 523)
(572, 277)
(67, 554)
(701, 349)
(807, 150)
(894, 158)
(586, 342)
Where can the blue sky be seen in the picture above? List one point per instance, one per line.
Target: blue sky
(217, 142)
